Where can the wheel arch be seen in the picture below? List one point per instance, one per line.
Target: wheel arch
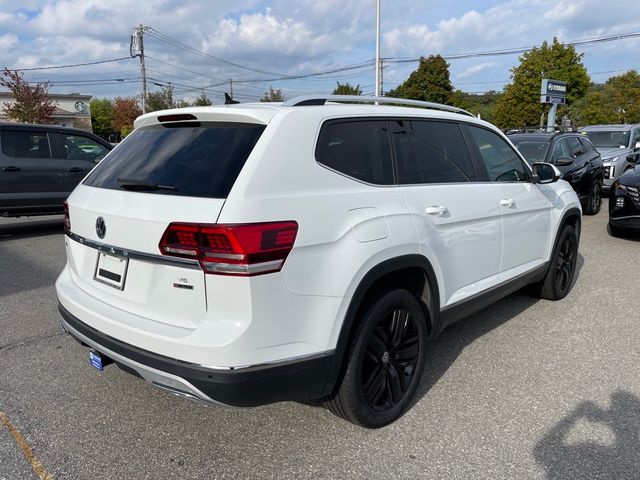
(413, 272)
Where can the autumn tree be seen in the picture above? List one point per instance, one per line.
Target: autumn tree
(430, 82)
(202, 101)
(101, 116)
(32, 103)
(520, 105)
(272, 95)
(125, 111)
(347, 89)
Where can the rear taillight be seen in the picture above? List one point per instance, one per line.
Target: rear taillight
(235, 249)
(67, 220)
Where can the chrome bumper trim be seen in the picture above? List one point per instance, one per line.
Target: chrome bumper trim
(163, 380)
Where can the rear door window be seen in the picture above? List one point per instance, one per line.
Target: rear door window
(195, 159)
(431, 152)
(25, 144)
(358, 149)
(79, 147)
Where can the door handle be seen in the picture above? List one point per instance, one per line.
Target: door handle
(437, 210)
(507, 202)
(11, 169)
(75, 170)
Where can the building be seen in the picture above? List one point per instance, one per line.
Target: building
(72, 109)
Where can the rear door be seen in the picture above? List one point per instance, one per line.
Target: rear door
(158, 175)
(29, 176)
(526, 211)
(78, 154)
(457, 218)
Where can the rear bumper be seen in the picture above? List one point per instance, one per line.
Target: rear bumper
(298, 379)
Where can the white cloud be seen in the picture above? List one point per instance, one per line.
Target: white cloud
(475, 69)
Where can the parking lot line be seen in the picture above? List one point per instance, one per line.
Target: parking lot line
(36, 465)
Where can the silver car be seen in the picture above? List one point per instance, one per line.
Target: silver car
(619, 146)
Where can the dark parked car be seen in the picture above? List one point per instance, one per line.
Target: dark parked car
(41, 164)
(624, 204)
(574, 155)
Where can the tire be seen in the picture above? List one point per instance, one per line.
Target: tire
(385, 362)
(559, 279)
(594, 201)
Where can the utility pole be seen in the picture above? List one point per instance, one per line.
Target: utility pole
(381, 77)
(377, 93)
(136, 48)
(231, 87)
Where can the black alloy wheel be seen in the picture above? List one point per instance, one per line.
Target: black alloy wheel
(559, 279)
(594, 202)
(390, 361)
(385, 361)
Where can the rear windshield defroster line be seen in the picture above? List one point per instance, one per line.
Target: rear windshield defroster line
(201, 160)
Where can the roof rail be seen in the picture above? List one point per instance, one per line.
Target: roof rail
(307, 100)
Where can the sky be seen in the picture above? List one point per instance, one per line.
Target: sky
(200, 46)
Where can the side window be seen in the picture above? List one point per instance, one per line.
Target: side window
(576, 148)
(25, 144)
(501, 161)
(635, 137)
(359, 149)
(431, 152)
(79, 147)
(561, 150)
(586, 144)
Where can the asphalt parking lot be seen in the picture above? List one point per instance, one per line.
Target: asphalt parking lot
(524, 389)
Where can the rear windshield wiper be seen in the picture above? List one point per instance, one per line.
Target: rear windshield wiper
(133, 184)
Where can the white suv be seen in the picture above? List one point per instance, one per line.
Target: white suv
(310, 250)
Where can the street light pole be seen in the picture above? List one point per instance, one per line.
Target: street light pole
(377, 93)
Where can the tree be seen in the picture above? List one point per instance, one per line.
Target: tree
(125, 111)
(615, 101)
(101, 116)
(161, 100)
(483, 104)
(272, 95)
(32, 104)
(520, 105)
(202, 101)
(347, 89)
(429, 82)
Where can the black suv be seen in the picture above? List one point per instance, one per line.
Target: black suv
(41, 164)
(574, 155)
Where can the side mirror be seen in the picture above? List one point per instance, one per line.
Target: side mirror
(563, 161)
(637, 147)
(545, 173)
(633, 158)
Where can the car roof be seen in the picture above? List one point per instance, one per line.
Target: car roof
(541, 136)
(603, 128)
(42, 127)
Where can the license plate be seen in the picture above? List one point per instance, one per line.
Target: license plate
(96, 360)
(111, 270)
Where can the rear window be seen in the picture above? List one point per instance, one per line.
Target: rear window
(195, 159)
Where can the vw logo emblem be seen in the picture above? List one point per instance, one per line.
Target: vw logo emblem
(101, 228)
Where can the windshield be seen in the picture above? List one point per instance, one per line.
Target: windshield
(186, 159)
(609, 139)
(533, 151)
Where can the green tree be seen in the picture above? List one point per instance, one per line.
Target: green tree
(101, 116)
(429, 82)
(32, 103)
(347, 89)
(202, 101)
(272, 95)
(479, 104)
(520, 105)
(622, 92)
(125, 111)
(160, 100)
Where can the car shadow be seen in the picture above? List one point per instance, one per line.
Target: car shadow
(594, 442)
(445, 349)
(33, 228)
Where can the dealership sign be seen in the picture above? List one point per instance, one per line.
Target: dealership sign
(553, 91)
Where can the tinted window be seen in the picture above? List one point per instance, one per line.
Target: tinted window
(635, 137)
(588, 147)
(24, 144)
(501, 161)
(532, 150)
(79, 147)
(609, 139)
(199, 160)
(576, 148)
(561, 150)
(431, 152)
(359, 149)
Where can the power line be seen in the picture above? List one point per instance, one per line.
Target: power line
(71, 65)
